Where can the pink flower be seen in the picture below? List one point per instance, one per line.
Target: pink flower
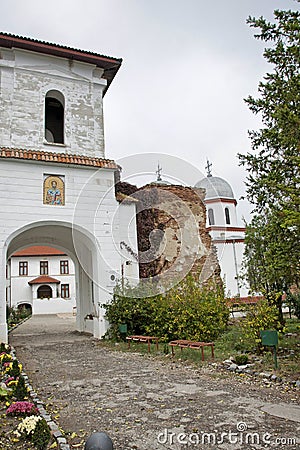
(21, 409)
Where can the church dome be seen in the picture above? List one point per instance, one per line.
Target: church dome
(215, 187)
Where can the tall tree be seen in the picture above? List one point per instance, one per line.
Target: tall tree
(272, 238)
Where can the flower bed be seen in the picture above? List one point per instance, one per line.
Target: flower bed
(21, 426)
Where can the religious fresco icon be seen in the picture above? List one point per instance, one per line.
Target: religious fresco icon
(54, 190)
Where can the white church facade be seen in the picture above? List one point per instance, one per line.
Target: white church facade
(227, 234)
(56, 186)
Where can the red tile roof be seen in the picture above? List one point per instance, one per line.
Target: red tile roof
(61, 158)
(110, 64)
(39, 250)
(245, 300)
(43, 279)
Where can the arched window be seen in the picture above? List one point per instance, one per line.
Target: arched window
(227, 216)
(44, 291)
(54, 117)
(211, 217)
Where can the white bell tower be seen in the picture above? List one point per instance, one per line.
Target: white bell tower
(56, 186)
(227, 235)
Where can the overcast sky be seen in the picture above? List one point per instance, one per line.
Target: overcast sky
(187, 66)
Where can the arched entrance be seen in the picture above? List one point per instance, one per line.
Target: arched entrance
(82, 249)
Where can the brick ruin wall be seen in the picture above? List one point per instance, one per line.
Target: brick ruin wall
(172, 236)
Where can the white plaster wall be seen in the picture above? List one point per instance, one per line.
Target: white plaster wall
(228, 270)
(128, 234)
(219, 213)
(25, 79)
(53, 306)
(90, 205)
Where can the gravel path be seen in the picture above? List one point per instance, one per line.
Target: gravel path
(149, 403)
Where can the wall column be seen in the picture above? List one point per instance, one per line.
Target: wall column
(3, 323)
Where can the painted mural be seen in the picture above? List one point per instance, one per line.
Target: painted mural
(54, 190)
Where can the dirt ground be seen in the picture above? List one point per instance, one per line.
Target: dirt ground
(148, 402)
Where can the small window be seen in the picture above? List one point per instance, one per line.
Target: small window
(54, 117)
(65, 291)
(44, 268)
(23, 268)
(64, 267)
(211, 217)
(227, 216)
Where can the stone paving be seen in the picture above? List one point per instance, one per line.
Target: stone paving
(148, 402)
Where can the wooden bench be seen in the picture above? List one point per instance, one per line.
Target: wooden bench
(146, 339)
(183, 343)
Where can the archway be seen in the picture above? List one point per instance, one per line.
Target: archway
(81, 247)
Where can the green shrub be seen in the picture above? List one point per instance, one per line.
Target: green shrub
(187, 311)
(262, 316)
(41, 435)
(20, 391)
(4, 348)
(241, 359)
(15, 370)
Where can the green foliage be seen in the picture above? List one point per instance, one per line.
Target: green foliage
(295, 304)
(15, 315)
(4, 393)
(41, 435)
(4, 348)
(20, 390)
(241, 359)
(6, 358)
(262, 316)
(232, 340)
(271, 259)
(186, 311)
(15, 370)
(272, 238)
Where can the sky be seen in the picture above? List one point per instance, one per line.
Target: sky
(187, 68)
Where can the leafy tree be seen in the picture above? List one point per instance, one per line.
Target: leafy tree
(272, 263)
(272, 238)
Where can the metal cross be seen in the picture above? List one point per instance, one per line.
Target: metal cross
(158, 172)
(208, 168)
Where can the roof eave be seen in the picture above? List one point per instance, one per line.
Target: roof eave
(110, 65)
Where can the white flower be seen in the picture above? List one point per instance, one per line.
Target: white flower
(28, 424)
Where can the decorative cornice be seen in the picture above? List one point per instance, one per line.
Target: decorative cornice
(60, 158)
(219, 228)
(221, 200)
(229, 241)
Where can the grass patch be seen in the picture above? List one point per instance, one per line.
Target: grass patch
(232, 343)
